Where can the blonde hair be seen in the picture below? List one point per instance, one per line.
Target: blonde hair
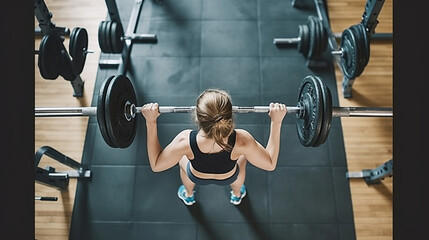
(214, 115)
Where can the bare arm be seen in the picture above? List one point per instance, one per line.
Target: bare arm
(161, 159)
(266, 158)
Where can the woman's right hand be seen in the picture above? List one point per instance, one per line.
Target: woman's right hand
(277, 112)
(150, 112)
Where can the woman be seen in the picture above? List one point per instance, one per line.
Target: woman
(216, 153)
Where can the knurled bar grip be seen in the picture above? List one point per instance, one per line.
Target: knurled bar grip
(236, 109)
(336, 111)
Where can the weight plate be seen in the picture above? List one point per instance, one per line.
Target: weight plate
(363, 45)
(308, 126)
(107, 33)
(116, 34)
(101, 113)
(305, 40)
(50, 56)
(78, 48)
(317, 36)
(71, 41)
(303, 36)
(367, 42)
(349, 60)
(323, 36)
(312, 33)
(121, 131)
(327, 113)
(358, 38)
(103, 41)
(100, 36)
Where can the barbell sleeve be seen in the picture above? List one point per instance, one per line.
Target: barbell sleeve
(140, 37)
(65, 112)
(286, 40)
(46, 198)
(362, 112)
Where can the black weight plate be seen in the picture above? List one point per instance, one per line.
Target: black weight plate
(349, 60)
(121, 130)
(322, 36)
(316, 38)
(101, 113)
(78, 51)
(327, 113)
(107, 38)
(358, 45)
(101, 37)
(50, 56)
(305, 40)
(72, 43)
(367, 42)
(116, 34)
(312, 42)
(316, 51)
(363, 44)
(300, 37)
(308, 127)
(302, 42)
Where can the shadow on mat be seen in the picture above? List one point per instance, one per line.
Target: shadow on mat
(246, 211)
(199, 217)
(244, 208)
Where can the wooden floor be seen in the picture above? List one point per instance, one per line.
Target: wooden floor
(368, 141)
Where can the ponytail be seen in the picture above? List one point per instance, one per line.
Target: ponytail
(214, 115)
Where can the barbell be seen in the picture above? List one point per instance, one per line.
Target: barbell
(312, 38)
(111, 37)
(116, 111)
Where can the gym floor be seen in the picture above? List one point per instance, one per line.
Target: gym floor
(370, 204)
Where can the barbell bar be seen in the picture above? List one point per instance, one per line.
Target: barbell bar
(116, 111)
(92, 111)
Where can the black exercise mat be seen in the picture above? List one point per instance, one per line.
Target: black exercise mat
(226, 44)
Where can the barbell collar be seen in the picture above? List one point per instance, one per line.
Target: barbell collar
(362, 112)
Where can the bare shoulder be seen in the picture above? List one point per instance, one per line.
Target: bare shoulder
(243, 137)
(183, 136)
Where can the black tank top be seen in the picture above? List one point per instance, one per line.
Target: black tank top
(219, 162)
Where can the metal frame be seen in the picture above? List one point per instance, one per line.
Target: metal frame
(52, 178)
(129, 35)
(47, 27)
(374, 176)
(369, 20)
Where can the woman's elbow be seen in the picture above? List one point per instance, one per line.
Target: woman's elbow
(155, 168)
(271, 168)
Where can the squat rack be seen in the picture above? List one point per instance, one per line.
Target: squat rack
(369, 20)
(114, 16)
